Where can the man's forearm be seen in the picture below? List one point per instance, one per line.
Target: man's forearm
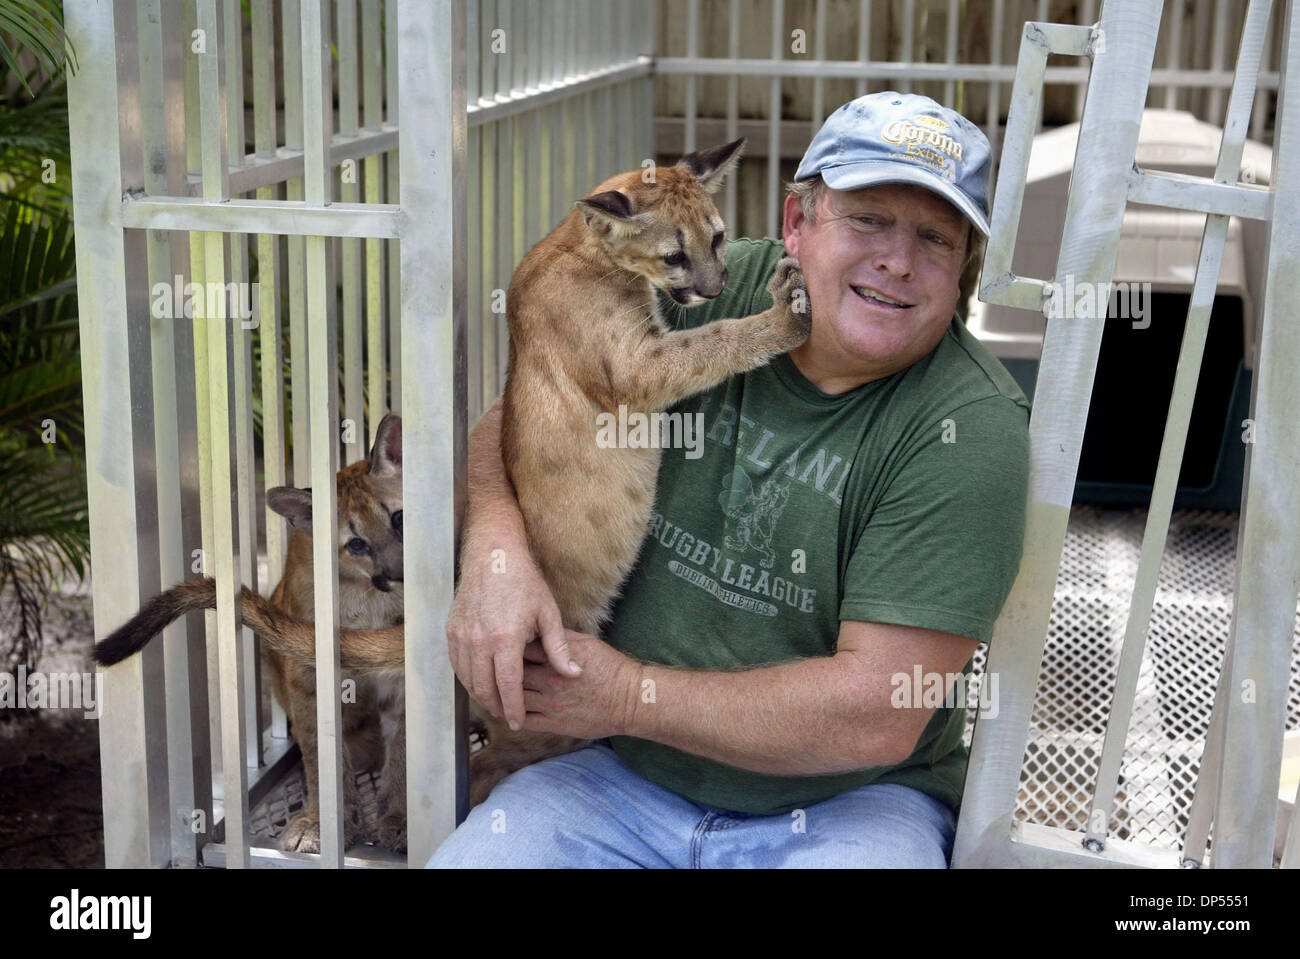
(805, 718)
(492, 517)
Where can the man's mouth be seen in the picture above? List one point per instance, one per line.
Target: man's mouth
(876, 298)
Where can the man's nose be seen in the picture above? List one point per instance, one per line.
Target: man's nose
(896, 255)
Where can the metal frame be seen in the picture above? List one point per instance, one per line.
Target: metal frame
(417, 300)
(1243, 754)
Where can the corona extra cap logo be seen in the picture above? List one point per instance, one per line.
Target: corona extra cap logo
(923, 137)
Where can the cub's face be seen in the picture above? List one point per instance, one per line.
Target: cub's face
(369, 511)
(668, 230)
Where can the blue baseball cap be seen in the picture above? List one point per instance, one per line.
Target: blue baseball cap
(903, 138)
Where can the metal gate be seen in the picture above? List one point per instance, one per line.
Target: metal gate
(170, 211)
(1240, 771)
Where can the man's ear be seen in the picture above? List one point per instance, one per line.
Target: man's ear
(293, 504)
(711, 166)
(386, 454)
(792, 224)
(610, 212)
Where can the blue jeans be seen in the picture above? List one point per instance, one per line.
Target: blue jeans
(587, 809)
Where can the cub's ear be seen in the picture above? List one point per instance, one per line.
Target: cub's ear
(386, 454)
(610, 212)
(293, 504)
(711, 166)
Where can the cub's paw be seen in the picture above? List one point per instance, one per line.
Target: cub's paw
(392, 831)
(790, 298)
(302, 834)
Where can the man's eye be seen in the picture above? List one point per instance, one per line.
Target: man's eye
(357, 546)
(675, 259)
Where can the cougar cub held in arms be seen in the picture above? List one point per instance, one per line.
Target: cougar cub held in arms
(370, 597)
(586, 337)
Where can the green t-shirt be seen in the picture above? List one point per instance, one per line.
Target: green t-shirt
(901, 501)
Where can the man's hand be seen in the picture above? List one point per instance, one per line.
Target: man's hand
(494, 616)
(600, 702)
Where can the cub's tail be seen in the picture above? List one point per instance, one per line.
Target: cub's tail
(155, 616)
(296, 638)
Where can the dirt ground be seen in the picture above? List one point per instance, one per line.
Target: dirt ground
(50, 812)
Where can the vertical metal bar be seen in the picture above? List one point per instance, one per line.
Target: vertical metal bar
(191, 666)
(533, 38)
(373, 119)
(119, 444)
(299, 383)
(322, 353)
(1214, 109)
(189, 784)
(393, 182)
(1195, 331)
(819, 53)
(232, 649)
(1264, 607)
(477, 385)
(1202, 39)
(232, 31)
(354, 440)
(489, 23)
(1175, 51)
(433, 465)
(908, 43)
(864, 42)
(733, 114)
(1108, 140)
(774, 123)
(473, 49)
(950, 51)
(692, 52)
(199, 355)
(489, 262)
(268, 314)
(995, 91)
(246, 519)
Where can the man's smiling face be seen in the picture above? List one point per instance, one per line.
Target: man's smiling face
(882, 267)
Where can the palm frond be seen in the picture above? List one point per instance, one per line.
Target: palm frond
(35, 26)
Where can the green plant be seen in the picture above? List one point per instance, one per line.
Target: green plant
(44, 533)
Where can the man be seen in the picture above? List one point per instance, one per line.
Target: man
(849, 534)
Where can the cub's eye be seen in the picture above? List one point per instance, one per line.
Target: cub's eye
(717, 238)
(675, 259)
(397, 522)
(357, 546)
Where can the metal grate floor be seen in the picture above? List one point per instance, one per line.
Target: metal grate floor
(1176, 685)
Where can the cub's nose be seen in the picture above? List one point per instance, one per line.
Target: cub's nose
(710, 290)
